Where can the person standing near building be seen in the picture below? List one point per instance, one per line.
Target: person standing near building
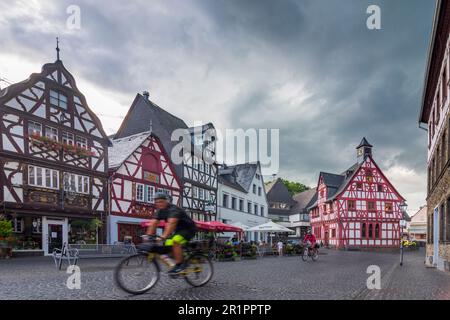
(280, 248)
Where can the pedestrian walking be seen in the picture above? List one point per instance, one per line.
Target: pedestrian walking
(280, 248)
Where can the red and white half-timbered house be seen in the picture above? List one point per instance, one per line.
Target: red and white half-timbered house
(53, 162)
(358, 208)
(139, 167)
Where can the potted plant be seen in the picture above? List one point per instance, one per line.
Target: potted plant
(6, 238)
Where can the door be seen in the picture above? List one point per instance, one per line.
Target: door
(54, 234)
(436, 236)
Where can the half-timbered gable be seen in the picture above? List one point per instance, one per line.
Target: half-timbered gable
(53, 154)
(139, 167)
(197, 169)
(357, 208)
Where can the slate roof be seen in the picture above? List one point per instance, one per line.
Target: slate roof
(239, 176)
(303, 200)
(163, 123)
(278, 192)
(122, 148)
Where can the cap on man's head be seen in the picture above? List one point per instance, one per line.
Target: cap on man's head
(162, 196)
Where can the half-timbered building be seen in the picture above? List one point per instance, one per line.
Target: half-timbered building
(139, 167)
(197, 169)
(434, 117)
(53, 161)
(358, 208)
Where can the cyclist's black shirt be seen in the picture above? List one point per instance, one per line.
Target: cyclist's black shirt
(185, 224)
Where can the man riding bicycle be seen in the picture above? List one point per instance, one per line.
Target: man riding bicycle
(178, 231)
(311, 238)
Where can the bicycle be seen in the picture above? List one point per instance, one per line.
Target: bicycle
(138, 273)
(310, 252)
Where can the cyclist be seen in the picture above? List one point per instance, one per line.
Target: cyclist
(178, 231)
(311, 238)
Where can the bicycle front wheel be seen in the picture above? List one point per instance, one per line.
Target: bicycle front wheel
(315, 255)
(199, 270)
(137, 274)
(305, 255)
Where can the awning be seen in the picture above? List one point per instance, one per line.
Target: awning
(270, 227)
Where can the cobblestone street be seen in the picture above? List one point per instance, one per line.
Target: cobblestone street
(336, 275)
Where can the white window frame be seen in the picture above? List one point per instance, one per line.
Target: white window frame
(201, 193)
(51, 133)
(68, 138)
(39, 132)
(80, 183)
(140, 192)
(34, 172)
(194, 192)
(81, 142)
(18, 227)
(149, 194)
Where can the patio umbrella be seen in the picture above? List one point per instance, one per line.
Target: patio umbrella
(270, 227)
(223, 227)
(240, 225)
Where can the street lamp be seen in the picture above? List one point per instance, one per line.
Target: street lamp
(403, 207)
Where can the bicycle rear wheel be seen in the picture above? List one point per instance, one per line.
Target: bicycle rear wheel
(305, 255)
(136, 274)
(199, 270)
(315, 255)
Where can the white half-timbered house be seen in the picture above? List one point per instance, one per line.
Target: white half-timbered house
(53, 161)
(139, 167)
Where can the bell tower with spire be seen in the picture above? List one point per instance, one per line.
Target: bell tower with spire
(363, 150)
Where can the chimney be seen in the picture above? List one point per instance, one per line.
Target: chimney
(146, 95)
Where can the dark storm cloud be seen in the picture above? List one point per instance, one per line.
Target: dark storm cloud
(310, 68)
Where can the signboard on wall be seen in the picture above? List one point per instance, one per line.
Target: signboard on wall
(151, 177)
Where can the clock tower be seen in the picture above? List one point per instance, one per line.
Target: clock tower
(363, 150)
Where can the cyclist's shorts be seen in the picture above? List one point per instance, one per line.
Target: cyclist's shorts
(178, 238)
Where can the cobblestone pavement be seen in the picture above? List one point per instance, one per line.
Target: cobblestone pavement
(336, 275)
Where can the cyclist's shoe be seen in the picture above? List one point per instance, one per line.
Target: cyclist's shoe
(177, 270)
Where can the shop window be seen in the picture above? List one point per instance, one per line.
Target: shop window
(37, 225)
(18, 225)
(83, 231)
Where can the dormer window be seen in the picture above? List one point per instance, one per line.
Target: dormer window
(58, 99)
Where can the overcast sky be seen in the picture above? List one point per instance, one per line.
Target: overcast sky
(310, 68)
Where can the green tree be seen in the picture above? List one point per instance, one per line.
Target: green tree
(295, 187)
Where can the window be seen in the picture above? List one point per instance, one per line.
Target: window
(333, 233)
(43, 177)
(81, 142)
(249, 207)
(262, 211)
(76, 183)
(68, 138)
(254, 188)
(37, 225)
(324, 209)
(241, 205)
(225, 200)
(207, 195)
(165, 191)
(194, 192)
(371, 206)
(51, 133)
(256, 209)
(388, 207)
(200, 193)
(380, 188)
(139, 192)
(258, 177)
(259, 191)
(34, 128)
(351, 204)
(150, 194)
(18, 225)
(359, 186)
(200, 165)
(377, 231)
(447, 231)
(370, 231)
(233, 203)
(363, 230)
(58, 99)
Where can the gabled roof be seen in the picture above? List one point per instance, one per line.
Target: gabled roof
(303, 200)
(67, 82)
(278, 192)
(239, 176)
(144, 114)
(122, 148)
